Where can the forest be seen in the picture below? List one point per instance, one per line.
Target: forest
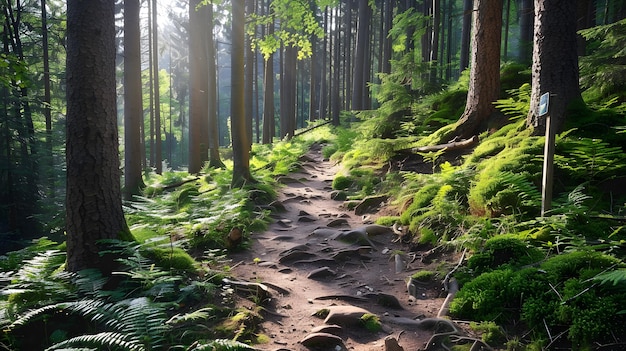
(483, 140)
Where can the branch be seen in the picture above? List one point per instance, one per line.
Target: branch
(455, 145)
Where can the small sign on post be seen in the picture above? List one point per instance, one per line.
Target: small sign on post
(548, 154)
(544, 104)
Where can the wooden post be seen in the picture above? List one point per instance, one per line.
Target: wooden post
(548, 167)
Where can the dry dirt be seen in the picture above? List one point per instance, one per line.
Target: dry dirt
(305, 268)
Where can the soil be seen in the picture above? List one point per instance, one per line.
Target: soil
(314, 256)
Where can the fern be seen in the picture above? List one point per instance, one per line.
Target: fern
(615, 278)
(588, 159)
(223, 345)
(108, 340)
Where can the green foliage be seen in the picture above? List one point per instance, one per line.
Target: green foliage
(491, 333)
(504, 250)
(423, 276)
(587, 159)
(559, 293)
(223, 345)
(371, 322)
(603, 69)
(297, 24)
(517, 105)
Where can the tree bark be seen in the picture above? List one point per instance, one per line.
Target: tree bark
(213, 126)
(484, 85)
(466, 34)
(158, 147)
(555, 62)
(268, 94)
(241, 147)
(361, 71)
(526, 31)
(133, 97)
(198, 86)
(93, 203)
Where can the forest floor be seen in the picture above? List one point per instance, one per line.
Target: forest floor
(318, 255)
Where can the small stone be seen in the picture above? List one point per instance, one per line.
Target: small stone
(322, 340)
(391, 344)
(323, 272)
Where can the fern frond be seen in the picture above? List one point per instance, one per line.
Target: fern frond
(34, 314)
(223, 345)
(192, 317)
(616, 277)
(108, 340)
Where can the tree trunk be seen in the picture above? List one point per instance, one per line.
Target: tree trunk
(133, 97)
(484, 85)
(239, 130)
(249, 77)
(526, 31)
(93, 203)
(434, 41)
(158, 152)
(323, 101)
(359, 73)
(334, 96)
(47, 111)
(289, 78)
(466, 32)
(555, 62)
(213, 126)
(268, 94)
(198, 86)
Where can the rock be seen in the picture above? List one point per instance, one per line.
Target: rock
(320, 273)
(297, 248)
(350, 253)
(339, 222)
(325, 340)
(339, 195)
(391, 344)
(305, 219)
(345, 315)
(328, 328)
(324, 232)
(355, 236)
(296, 256)
(369, 203)
(385, 300)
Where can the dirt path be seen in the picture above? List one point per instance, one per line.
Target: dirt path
(315, 256)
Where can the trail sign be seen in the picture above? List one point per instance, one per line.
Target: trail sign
(544, 104)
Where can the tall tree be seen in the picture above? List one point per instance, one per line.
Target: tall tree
(239, 131)
(268, 89)
(133, 107)
(158, 147)
(484, 85)
(555, 62)
(214, 138)
(466, 34)
(93, 203)
(526, 31)
(361, 71)
(47, 110)
(198, 86)
(249, 55)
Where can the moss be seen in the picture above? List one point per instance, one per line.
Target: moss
(504, 250)
(342, 182)
(423, 276)
(420, 200)
(174, 258)
(371, 322)
(387, 220)
(491, 333)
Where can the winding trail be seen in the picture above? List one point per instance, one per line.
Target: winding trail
(319, 255)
